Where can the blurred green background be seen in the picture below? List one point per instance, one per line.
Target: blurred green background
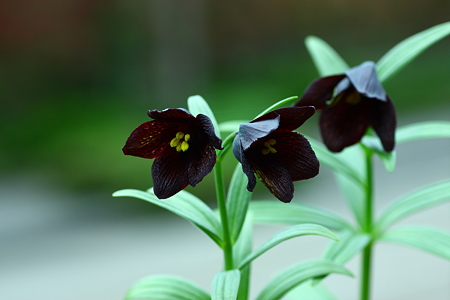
(76, 77)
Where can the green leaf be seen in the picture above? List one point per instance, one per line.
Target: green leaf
(277, 105)
(185, 205)
(225, 285)
(273, 212)
(387, 158)
(295, 275)
(231, 126)
(326, 59)
(241, 249)
(432, 240)
(354, 195)
(334, 161)
(198, 105)
(286, 234)
(405, 51)
(417, 200)
(166, 287)
(238, 199)
(423, 130)
(308, 291)
(350, 244)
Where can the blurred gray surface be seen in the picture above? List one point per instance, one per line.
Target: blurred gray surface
(53, 249)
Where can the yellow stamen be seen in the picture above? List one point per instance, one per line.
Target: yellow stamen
(353, 98)
(178, 143)
(268, 147)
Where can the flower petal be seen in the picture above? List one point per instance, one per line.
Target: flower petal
(344, 124)
(253, 131)
(290, 117)
(365, 80)
(319, 91)
(208, 127)
(384, 121)
(169, 173)
(246, 167)
(200, 163)
(295, 153)
(274, 175)
(150, 138)
(174, 114)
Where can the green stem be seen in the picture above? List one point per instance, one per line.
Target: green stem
(367, 228)
(221, 203)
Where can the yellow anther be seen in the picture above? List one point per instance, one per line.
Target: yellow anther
(353, 98)
(179, 135)
(174, 142)
(184, 146)
(268, 147)
(178, 143)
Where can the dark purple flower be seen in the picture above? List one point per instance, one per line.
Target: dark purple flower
(268, 147)
(182, 144)
(358, 102)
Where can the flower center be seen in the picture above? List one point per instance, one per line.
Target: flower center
(353, 98)
(180, 141)
(268, 147)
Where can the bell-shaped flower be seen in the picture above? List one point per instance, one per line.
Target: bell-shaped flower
(183, 145)
(268, 148)
(350, 104)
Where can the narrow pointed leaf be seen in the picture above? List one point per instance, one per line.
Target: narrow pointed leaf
(326, 59)
(198, 105)
(423, 130)
(387, 158)
(225, 285)
(277, 105)
(432, 240)
(295, 213)
(354, 194)
(231, 126)
(350, 244)
(238, 199)
(310, 291)
(295, 275)
(417, 200)
(286, 234)
(405, 51)
(185, 205)
(166, 287)
(334, 161)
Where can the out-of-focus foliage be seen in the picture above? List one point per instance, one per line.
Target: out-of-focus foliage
(77, 76)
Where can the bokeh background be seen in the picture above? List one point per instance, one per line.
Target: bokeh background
(77, 76)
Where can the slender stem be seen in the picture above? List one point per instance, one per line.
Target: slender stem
(367, 228)
(221, 203)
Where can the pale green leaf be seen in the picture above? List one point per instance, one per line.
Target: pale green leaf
(295, 275)
(417, 200)
(335, 162)
(238, 199)
(309, 291)
(198, 105)
(387, 158)
(423, 130)
(286, 234)
(231, 126)
(166, 287)
(326, 59)
(277, 105)
(405, 51)
(432, 240)
(350, 243)
(185, 205)
(225, 285)
(273, 212)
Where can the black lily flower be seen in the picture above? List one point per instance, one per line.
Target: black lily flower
(359, 102)
(182, 144)
(268, 147)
